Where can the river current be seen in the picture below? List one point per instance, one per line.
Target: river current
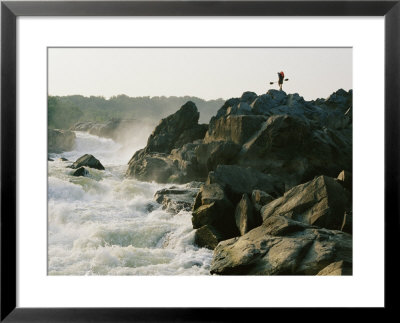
(106, 224)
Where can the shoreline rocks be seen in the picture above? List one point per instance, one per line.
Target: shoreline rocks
(59, 141)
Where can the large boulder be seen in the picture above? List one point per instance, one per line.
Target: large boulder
(169, 156)
(150, 167)
(213, 207)
(238, 180)
(170, 130)
(281, 246)
(88, 161)
(321, 202)
(60, 140)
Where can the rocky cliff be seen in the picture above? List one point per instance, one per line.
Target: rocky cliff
(272, 201)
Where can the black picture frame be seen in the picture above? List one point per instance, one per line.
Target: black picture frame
(9, 13)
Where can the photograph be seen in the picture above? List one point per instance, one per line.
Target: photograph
(199, 161)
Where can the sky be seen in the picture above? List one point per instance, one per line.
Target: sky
(207, 73)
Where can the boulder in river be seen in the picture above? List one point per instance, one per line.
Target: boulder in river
(81, 171)
(175, 199)
(88, 161)
(207, 236)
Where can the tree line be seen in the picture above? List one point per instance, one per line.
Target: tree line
(65, 111)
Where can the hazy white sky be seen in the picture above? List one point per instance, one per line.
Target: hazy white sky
(208, 73)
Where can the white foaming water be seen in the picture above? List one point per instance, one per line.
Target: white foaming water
(101, 225)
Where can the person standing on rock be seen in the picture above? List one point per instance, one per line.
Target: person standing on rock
(281, 76)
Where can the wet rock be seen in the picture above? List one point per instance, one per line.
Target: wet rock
(62, 159)
(207, 236)
(81, 171)
(245, 216)
(175, 199)
(321, 202)
(281, 246)
(88, 161)
(60, 140)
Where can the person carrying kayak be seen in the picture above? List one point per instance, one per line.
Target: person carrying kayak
(281, 76)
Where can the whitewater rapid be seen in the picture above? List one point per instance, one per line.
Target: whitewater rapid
(108, 225)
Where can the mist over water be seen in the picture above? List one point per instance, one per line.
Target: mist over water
(108, 225)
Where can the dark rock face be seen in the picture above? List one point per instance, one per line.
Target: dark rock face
(321, 202)
(345, 178)
(88, 161)
(169, 131)
(281, 246)
(259, 199)
(237, 129)
(81, 171)
(207, 236)
(245, 216)
(216, 153)
(238, 180)
(213, 207)
(60, 140)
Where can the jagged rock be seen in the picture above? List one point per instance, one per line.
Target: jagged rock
(338, 268)
(235, 128)
(60, 140)
(169, 131)
(88, 161)
(281, 246)
(238, 180)
(169, 156)
(62, 159)
(175, 199)
(245, 216)
(260, 198)
(321, 202)
(81, 171)
(207, 236)
(345, 178)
